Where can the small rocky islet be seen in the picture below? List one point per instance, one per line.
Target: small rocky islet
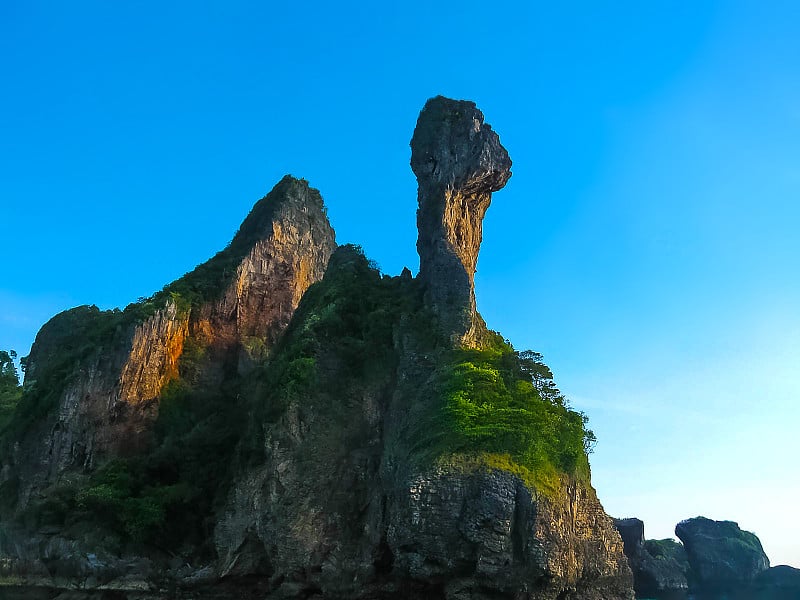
(715, 561)
(285, 421)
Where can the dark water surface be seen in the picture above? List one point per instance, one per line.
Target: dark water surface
(747, 595)
(41, 593)
(14, 592)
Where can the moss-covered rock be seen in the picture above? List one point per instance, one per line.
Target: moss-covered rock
(721, 556)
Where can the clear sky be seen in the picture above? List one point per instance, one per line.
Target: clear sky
(647, 243)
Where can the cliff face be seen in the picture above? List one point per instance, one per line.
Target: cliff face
(230, 310)
(293, 243)
(486, 533)
(340, 500)
(459, 162)
(659, 566)
(349, 467)
(152, 361)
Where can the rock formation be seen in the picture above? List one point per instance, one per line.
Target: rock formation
(721, 556)
(658, 565)
(348, 478)
(417, 531)
(290, 242)
(484, 534)
(231, 309)
(781, 581)
(459, 162)
(724, 562)
(421, 530)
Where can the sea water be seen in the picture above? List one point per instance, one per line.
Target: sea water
(41, 593)
(748, 595)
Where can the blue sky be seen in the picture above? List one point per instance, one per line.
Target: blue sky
(646, 244)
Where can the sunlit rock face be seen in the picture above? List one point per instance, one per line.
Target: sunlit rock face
(152, 361)
(292, 242)
(459, 162)
(110, 393)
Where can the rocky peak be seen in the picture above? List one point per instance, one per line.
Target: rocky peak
(459, 162)
(287, 241)
(242, 299)
(104, 371)
(631, 530)
(290, 198)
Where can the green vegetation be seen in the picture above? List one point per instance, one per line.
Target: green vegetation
(492, 406)
(501, 409)
(10, 394)
(10, 390)
(65, 345)
(339, 340)
(666, 549)
(125, 497)
(167, 495)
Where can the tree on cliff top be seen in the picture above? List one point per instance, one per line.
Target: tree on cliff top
(10, 390)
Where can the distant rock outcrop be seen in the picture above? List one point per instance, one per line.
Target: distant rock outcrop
(459, 162)
(721, 556)
(719, 560)
(658, 565)
(781, 579)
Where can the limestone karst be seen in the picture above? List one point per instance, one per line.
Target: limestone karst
(459, 162)
(281, 422)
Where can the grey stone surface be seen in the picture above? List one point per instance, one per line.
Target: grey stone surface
(721, 556)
